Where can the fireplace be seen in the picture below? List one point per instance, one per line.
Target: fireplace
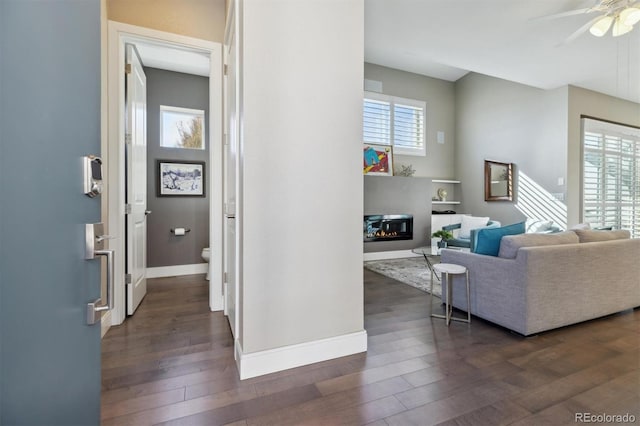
(388, 227)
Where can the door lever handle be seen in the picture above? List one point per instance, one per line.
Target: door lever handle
(95, 308)
(147, 212)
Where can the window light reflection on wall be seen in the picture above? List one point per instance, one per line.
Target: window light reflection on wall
(535, 202)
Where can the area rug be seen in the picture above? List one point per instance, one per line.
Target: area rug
(412, 271)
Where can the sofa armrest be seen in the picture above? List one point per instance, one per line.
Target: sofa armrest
(497, 287)
(451, 227)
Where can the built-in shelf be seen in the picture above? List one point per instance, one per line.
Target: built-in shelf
(449, 184)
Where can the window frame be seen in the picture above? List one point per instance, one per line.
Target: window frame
(181, 110)
(392, 101)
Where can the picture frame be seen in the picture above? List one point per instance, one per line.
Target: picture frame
(178, 178)
(498, 181)
(377, 160)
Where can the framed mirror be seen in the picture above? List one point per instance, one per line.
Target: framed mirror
(498, 181)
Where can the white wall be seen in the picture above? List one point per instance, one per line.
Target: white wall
(595, 105)
(508, 122)
(440, 98)
(302, 192)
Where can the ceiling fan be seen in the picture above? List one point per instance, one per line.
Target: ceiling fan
(621, 14)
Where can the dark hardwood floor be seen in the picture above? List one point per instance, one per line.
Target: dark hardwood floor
(172, 363)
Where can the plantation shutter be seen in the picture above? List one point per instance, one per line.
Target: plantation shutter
(408, 127)
(377, 122)
(398, 122)
(611, 176)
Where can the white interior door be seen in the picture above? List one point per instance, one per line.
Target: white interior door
(136, 193)
(231, 158)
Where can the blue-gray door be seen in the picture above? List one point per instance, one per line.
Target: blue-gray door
(49, 119)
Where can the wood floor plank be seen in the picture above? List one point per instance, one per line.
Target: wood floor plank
(302, 413)
(468, 399)
(497, 414)
(134, 405)
(173, 363)
(372, 375)
(186, 408)
(248, 408)
(362, 413)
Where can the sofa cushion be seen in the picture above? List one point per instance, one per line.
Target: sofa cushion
(510, 244)
(585, 225)
(489, 239)
(592, 236)
(539, 226)
(542, 227)
(471, 222)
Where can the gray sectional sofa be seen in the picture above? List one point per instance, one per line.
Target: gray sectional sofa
(544, 281)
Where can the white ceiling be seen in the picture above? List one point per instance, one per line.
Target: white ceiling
(171, 58)
(448, 38)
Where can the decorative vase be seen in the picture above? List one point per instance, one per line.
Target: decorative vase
(442, 244)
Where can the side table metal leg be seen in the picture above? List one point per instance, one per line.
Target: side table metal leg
(431, 296)
(468, 299)
(449, 299)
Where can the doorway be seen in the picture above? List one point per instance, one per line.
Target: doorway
(119, 35)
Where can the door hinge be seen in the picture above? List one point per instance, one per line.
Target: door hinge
(127, 278)
(127, 209)
(225, 69)
(127, 138)
(224, 278)
(127, 68)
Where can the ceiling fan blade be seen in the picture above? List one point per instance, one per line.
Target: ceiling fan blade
(563, 14)
(583, 29)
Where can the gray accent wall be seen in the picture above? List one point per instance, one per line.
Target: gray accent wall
(439, 96)
(399, 195)
(509, 122)
(164, 248)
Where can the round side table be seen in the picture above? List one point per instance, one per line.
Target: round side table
(449, 269)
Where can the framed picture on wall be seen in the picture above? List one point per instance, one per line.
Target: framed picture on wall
(378, 160)
(181, 178)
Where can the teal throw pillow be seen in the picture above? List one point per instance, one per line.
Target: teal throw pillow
(489, 238)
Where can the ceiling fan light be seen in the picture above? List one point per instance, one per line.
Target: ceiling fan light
(619, 28)
(630, 16)
(601, 26)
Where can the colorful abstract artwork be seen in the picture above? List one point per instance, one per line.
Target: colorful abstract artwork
(378, 160)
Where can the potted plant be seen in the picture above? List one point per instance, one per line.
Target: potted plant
(444, 236)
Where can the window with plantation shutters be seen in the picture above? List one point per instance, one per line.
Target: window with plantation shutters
(611, 176)
(393, 121)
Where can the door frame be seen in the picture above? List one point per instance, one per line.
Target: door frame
(114, 147)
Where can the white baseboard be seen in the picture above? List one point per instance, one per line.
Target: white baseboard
(278, 359)
(383, 255)
(105, 323)
(177, 270)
